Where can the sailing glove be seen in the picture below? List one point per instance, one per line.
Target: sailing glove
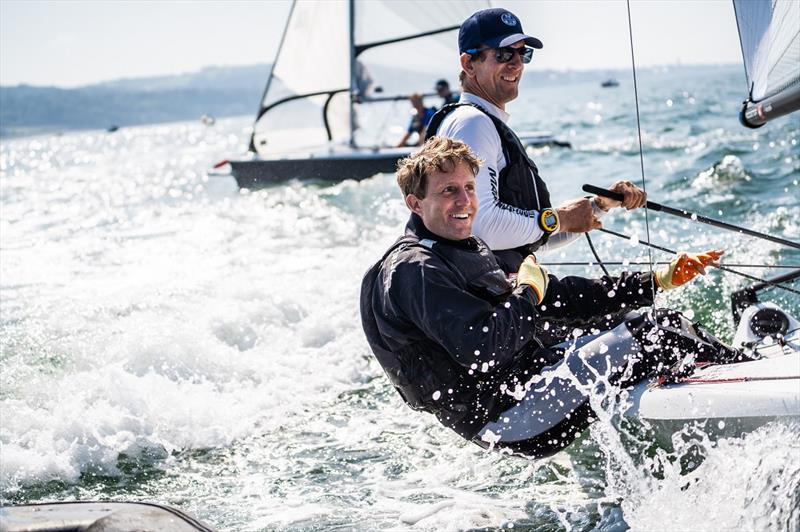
(685, 267)
(534, 275)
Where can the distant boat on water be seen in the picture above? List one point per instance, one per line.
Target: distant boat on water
(610, 82)
(332, 86)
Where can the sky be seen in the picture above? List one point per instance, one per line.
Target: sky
(72, 43)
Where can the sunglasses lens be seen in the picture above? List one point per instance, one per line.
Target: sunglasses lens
(504, 55)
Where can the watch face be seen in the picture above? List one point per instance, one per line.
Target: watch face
(549, 220)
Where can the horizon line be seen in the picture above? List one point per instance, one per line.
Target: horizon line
(192, 72)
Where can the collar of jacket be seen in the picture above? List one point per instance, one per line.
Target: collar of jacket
(416, 227)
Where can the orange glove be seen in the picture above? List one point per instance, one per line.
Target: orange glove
(534, 275)
(685, 267)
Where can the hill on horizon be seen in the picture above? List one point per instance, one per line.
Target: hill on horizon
(214, 91)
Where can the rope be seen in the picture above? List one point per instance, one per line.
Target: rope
(596, 256)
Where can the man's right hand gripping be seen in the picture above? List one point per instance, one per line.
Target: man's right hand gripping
(578, 216)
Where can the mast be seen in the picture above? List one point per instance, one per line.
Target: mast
(261, 109)
(296, 75)
(353, 80)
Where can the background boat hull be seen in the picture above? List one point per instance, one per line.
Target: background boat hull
(262, 173)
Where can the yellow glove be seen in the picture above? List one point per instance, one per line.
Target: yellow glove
(685, 267)
(534, 275)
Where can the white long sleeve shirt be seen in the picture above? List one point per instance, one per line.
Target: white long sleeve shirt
(500, 225)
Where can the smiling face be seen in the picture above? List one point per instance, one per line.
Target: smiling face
(449, 206)
(493, 81)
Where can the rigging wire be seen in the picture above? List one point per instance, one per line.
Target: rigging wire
(722, 268)
(641, 150)
(648, 244)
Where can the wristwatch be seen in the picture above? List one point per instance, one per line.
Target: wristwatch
(548, 221)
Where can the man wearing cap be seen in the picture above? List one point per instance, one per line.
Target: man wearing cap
(442, 88)
(516, 217)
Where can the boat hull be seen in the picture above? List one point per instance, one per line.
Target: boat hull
(753, 391)
(341, 163)
(259, 173)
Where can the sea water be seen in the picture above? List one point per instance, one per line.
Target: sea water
(168, 337)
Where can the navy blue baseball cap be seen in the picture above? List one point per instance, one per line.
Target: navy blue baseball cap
(494, 28)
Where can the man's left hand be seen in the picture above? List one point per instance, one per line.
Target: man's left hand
(633, 197)
(685, 267)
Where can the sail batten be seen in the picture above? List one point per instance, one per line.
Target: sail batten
(769, 31)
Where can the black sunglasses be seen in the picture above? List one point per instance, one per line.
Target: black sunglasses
(506, 53)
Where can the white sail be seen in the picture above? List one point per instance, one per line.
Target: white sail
(387, 20)
(309, 89)
(769, 31)
(314, 55)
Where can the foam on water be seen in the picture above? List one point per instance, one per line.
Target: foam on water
(167, 337)
(735, 476)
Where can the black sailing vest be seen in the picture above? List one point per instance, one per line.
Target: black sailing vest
(518, 187)
(414, 375)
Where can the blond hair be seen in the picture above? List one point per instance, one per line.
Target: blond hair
(438, 154)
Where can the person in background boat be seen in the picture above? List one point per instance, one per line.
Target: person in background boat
(364, 89)
(419, 121)
(442, 88)
(516, 217)
(459, 339)
(364, 82)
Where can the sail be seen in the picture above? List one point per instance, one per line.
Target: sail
(307, 100)
(381, 21)
(314, 55)
(769, 31)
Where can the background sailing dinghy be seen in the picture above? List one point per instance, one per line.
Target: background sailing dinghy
(321, 116)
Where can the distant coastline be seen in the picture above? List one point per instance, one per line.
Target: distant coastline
(214, 91)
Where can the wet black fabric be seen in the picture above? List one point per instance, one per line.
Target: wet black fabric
(518, 186)
(452, 333)
(667, 345)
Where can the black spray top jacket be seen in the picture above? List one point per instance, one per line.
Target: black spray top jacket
(456, 338)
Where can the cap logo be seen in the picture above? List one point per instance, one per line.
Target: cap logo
(508, 19)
